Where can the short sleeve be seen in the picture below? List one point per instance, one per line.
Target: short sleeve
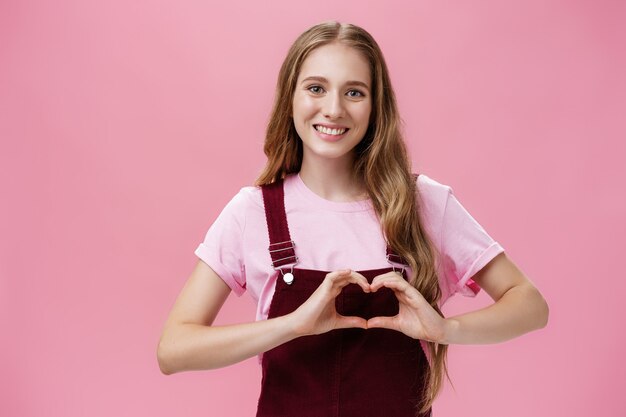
(466, 246)
(223, 243)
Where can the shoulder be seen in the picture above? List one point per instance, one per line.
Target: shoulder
(432, 195)
(247, 197)
(237, 210)
(428, 185)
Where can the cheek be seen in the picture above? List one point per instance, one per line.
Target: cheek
(364, 114)
(302, 106)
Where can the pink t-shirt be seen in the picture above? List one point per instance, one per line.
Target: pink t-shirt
(336, 235)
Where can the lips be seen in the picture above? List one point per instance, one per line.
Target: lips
(333, 130)
(330, 137)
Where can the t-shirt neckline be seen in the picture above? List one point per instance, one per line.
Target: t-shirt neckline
(322, 203)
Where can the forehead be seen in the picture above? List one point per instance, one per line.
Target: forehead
(337, 63)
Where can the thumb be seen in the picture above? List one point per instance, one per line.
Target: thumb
(383, 322)
(345, 322)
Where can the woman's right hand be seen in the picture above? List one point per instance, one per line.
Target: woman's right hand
(318, 314)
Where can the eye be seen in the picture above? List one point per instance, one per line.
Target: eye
(356, 95)
(315, 89)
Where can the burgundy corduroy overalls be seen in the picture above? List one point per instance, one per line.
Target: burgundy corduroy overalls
(345, 372)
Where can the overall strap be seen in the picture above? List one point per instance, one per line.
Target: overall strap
(393, 257)
(281, 246)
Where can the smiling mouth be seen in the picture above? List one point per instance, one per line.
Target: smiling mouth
(328, 131)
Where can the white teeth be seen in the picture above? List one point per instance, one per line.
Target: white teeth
(330, 131)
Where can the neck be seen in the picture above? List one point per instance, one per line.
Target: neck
(333, 179)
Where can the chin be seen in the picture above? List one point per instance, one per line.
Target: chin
(327, 153)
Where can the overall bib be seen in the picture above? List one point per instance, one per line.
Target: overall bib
(345, 372)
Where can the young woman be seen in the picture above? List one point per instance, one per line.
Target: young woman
(347, 253)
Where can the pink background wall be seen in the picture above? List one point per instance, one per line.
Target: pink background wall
(126, 126)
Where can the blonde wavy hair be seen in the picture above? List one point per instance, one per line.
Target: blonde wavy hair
(380, 160)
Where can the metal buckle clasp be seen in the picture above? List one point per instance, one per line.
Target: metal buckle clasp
(287, 277)
(394, 266)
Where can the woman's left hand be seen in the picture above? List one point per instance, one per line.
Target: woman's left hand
(416, 317)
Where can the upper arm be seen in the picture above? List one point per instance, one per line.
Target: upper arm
(499, 276)
(201, 298)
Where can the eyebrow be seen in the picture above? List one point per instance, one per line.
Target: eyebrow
(324, 80)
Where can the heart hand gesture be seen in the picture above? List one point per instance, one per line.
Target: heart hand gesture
(416, 318)
(318, 314)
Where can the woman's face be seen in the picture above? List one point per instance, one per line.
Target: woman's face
(332, 101)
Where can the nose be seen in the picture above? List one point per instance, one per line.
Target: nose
(333, 106)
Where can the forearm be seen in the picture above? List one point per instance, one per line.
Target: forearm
(186, 347)
(520, 310)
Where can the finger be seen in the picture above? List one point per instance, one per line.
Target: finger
(403, 289)
(336, 276)
(339, 273)
(380, 280)
(359, 279)
(383, 322)
(345, 322)
(341, 280)
(387, 275)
